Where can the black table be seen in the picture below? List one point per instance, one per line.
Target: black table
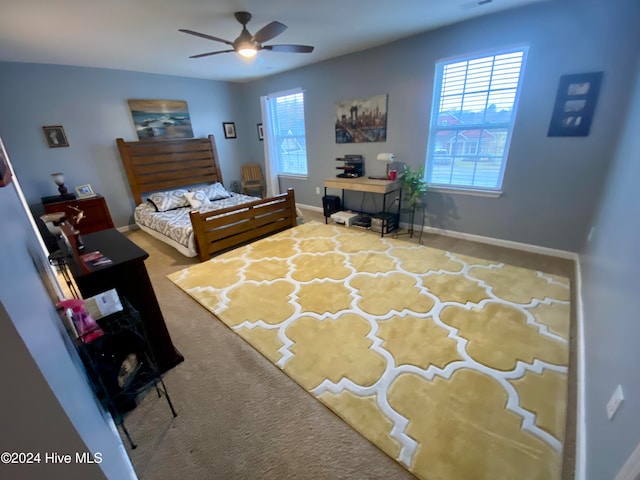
(128, 275)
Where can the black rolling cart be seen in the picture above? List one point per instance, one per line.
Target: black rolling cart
(121, 364)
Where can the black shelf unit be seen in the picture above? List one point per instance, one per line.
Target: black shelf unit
(353, 166)
(121, 364)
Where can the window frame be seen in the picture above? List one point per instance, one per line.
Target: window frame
(434, 127)
(276, 139)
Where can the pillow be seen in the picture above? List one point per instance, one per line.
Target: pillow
(215, 191)
(170, 200)
(197, 199)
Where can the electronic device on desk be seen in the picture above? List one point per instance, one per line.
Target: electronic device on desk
(384, 222)
(362, 221)
(344, 218)
(353, 166)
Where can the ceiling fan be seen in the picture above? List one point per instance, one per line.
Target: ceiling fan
(248, 45)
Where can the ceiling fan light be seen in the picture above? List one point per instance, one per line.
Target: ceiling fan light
(247, 51)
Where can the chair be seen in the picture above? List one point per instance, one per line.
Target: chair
(252, 178)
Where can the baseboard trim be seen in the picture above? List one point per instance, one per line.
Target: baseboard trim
(127, 228)
(498, 242)
(581, 426)
(310, 207)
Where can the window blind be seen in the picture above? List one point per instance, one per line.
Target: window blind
(475, 101)
(289, 133)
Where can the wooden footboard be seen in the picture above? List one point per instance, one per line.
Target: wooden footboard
(224, 229)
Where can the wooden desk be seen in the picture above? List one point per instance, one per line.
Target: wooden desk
(363, 184)
(367, 185)
(128, 275)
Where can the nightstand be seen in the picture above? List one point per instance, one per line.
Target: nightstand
(96, 213)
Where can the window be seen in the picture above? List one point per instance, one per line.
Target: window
(475, 101)
(286, 132)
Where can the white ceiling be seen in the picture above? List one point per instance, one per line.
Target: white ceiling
(142, 35)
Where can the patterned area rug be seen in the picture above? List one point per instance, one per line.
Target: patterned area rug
(454, 366)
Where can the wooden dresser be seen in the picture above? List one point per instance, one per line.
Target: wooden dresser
(128, 275)
(97, 216)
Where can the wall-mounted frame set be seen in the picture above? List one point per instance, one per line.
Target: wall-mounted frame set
(575, 103)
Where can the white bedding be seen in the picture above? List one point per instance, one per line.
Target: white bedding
(174, 226)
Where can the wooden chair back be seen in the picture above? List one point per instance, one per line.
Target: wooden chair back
(252, 178)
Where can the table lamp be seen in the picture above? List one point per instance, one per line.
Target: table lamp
(386, 157)
(58, 178)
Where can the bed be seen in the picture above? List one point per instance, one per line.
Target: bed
(164, 170)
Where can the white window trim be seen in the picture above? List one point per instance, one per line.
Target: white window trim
(271, 157)
(476, 192)
(469, 190)
(293, 175)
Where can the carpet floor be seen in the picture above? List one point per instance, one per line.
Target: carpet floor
(240, 417)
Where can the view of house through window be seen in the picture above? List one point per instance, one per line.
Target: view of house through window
(287, 127)
(475, 101)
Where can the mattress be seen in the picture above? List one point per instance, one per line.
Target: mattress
(174, 226)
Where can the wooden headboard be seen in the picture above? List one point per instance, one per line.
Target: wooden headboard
(155, 165)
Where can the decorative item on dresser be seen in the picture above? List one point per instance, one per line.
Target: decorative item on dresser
(95, 213)
(58, 179)
(85, 191)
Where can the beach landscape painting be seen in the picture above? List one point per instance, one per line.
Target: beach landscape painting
(161, 119)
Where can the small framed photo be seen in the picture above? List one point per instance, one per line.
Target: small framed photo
(84, 191)
(55, 136)
(260, 132)
(229, 129)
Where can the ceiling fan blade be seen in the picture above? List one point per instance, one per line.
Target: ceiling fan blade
(289, 48)
(268, 32)
(210, 53)
(204, 35)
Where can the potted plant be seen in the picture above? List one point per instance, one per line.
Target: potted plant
(414, 186)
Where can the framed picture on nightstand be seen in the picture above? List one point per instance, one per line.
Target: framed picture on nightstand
(85, 191)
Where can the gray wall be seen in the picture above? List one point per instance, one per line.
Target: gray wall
(610, 265)
(46, 403)
(91, 105)
(551, 185)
